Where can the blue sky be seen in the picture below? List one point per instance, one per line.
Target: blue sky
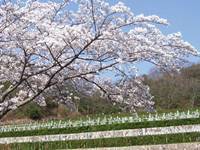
(183, 16)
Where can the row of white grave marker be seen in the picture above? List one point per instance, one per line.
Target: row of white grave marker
(100, 121)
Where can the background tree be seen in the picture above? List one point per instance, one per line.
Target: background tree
(174, 90)
(44, 44)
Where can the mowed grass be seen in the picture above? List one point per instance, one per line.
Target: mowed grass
(146, 124)
(108, 142)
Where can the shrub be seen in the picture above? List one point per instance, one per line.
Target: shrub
(34, 111)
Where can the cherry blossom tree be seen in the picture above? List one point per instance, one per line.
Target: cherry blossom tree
(44, 45)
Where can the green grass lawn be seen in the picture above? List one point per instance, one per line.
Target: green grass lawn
(146, 124)
(110, 142)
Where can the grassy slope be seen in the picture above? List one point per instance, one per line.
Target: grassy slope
(110, 142)
(146, 124)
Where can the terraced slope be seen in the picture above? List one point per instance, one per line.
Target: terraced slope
(179, 127)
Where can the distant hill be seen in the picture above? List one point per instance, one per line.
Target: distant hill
(173, 90)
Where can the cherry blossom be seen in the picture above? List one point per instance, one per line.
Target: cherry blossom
(46, 45)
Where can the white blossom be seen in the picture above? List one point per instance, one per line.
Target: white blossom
(44, 46)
